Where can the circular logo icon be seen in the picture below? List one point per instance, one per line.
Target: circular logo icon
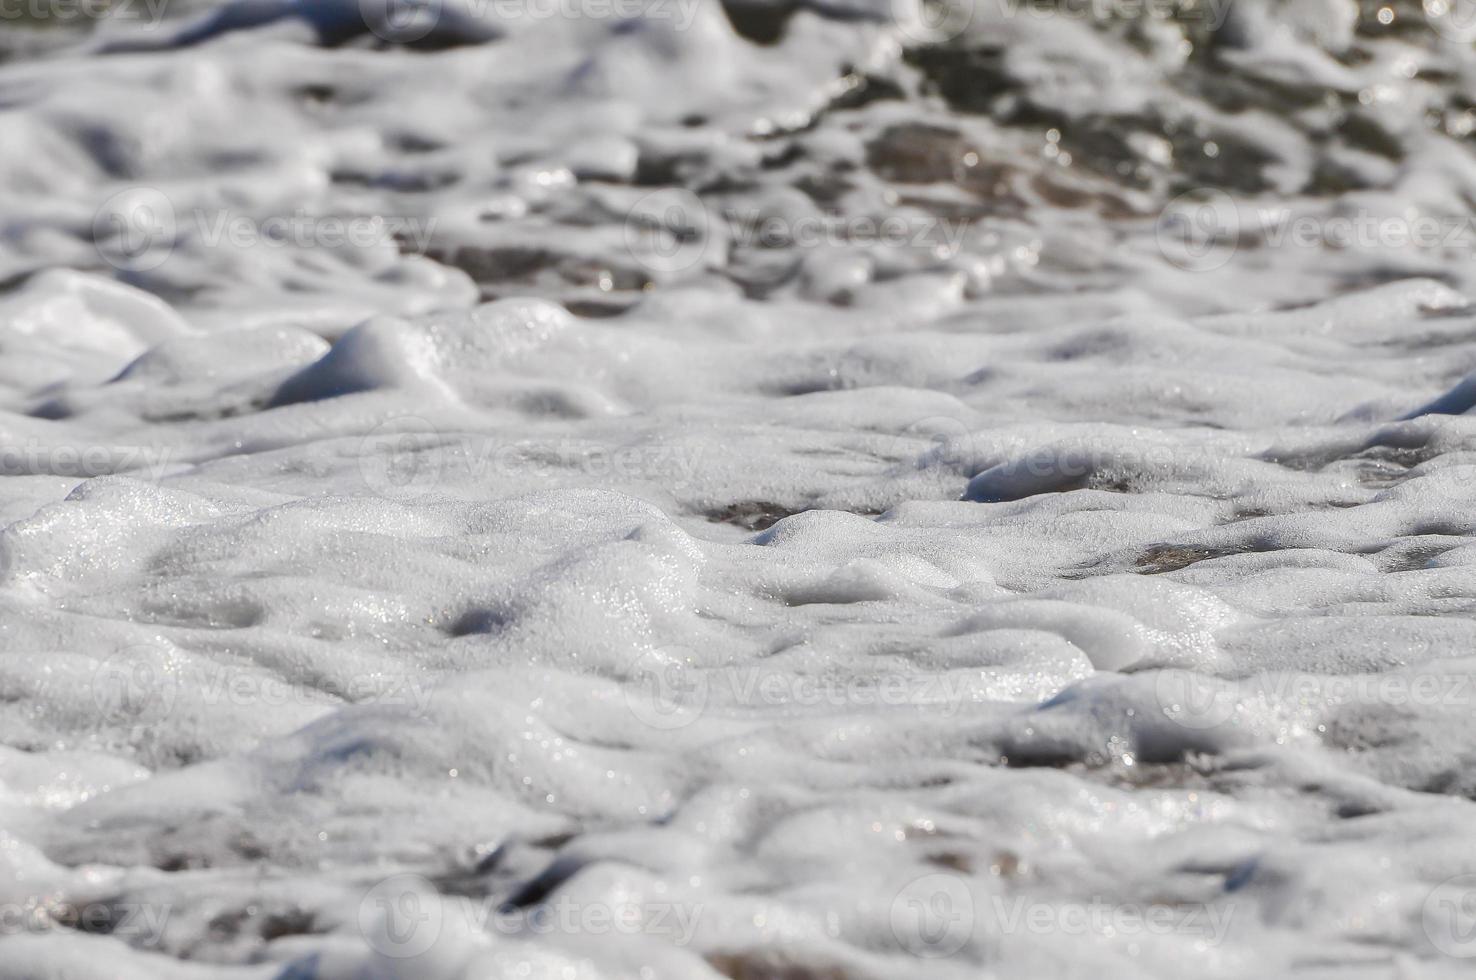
(939, 441)
(1199, 231)
(933, 916)
(667, 231)
(665, 691)
(402, 455)
(135, 229)
(400, 21)
(133, 683)
(1193, 700)
(924, 22)
(1450, 916)
(401, 916)
(1452, 19)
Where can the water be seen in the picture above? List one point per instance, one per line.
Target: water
(651, 490)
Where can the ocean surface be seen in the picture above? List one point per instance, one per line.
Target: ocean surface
(792, 490)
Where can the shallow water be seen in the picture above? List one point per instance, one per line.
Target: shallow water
(826, 490)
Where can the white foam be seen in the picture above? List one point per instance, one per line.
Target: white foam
(565, 581)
